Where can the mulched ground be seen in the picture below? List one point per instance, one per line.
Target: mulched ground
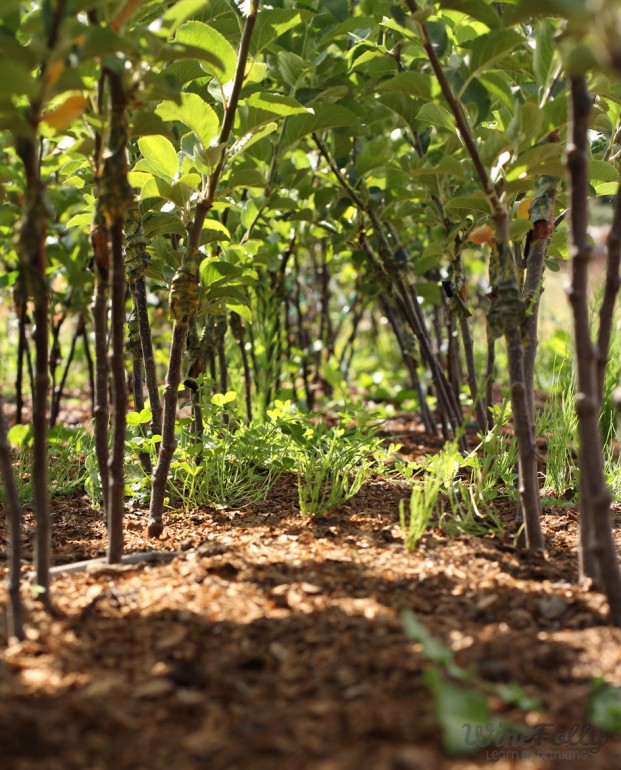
(270, 642)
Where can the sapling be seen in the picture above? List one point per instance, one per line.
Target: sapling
(506, 314)
(116, 198)
(184, 290)
(598, 557)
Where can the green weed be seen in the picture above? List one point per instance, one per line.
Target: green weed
(467, 486)
(230, 468)
(331, 469)
(66, 470)
(422, 505)
(460, 698)
(558, 423)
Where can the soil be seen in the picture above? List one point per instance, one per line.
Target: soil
(272, 642)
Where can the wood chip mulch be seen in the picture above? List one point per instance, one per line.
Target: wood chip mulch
(271, 642)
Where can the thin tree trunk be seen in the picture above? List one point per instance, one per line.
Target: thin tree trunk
(542, 216)
(239, 333)
(101, 253)
(598, 550)
(148, 356)
(611, 290)
(116, 199)
(532, 295)
(137, 261)
(410, 364)
(55, 357)
(15, 615)
(221, 352)
(135, 348)
(452, 357)
(89, 364)
(471, 372)
(58, 393)
(169, 442)
(32, 247)
(407, 303)
(404, 293)
(303, 340)
(528, 475)
(490, 367)
(195, 369)
(23, 352)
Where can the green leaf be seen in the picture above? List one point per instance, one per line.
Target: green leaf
(426, 262)
(372, 155)
(12, 51)
(247, 177)
(408, 34)
(160, 155)
(193, 112)
(213, 271)
(242, 310)
(359, 24)
(447, 166)
(219, 56)
(498, 84)
(604, 708)
(488, 49)
(474, 202)
(456, 708)
(543, 159)
(15, 80)
(292, 67)
(436, 116)
(252, 137)
(602, 171)
(179, 12)
(101, 41)
(19, 435)
(150, 185)
(552, 265)
(277, 104)
(325, 116)
(271, 24)
(163, 223)
(145, 415)
(403, 105)
(518, 229)
(145, 122)
(429, 290)
(216, 229)
(606, 188)
(575, 10)
(220, 399)
(80, 220)
(544, 52)
(410, 83)
(477, 9)
(493, 146)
